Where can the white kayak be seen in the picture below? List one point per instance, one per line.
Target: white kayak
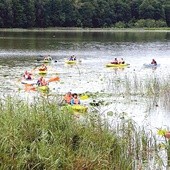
(29, 82)
(151, 65)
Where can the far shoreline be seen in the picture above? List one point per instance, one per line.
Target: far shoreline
(73, 29)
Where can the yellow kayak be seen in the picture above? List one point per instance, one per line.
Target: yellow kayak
(42, 72)
(43, 88)
(47, 61)
(74, 109)
(70, 61)
(79, 108)
(117, 65)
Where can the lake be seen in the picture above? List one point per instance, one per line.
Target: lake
(20, 51)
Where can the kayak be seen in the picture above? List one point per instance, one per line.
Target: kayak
(75, 109)
(47, 61)
(151, 65)
(70, 62)
(42, 72)
(117, 65)
(79, 108)
(29, 82)
(43, 88)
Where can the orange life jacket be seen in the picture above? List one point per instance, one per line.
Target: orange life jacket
(67, 98)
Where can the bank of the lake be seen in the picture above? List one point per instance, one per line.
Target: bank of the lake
(77, 29)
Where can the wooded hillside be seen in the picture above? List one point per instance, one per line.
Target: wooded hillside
(84, 13)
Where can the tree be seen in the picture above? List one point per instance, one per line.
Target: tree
(146, 10)
(167, 14)
(122, 11)
(42, 18)
(86, 12)
(18, 13)
(28, 13)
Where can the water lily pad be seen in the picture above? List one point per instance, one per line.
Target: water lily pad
(110, 113)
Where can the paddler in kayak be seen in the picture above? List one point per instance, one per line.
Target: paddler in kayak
(75, 100)
(72, 58)
(27, 75)
(154, 62)
(121, 61)
(48, 58)
(42, 82)
(68, 97)
(115, 61)
(43, 68)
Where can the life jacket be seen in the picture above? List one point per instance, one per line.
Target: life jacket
(43, 82)
(42, 68)
(27, 76)
(67, 99)
(76, 101)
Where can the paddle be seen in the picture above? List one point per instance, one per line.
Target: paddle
(53, 79)
(29, 87)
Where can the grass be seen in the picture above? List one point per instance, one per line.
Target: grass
(77, 29)
(154, 89)
(41, 136)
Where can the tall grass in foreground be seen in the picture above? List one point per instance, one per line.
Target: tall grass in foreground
(40, 136)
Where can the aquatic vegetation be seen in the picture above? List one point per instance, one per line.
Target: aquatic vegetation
(41, 136)
(153, 89)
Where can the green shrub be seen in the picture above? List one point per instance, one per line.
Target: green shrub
(150, 23)
(120, 25)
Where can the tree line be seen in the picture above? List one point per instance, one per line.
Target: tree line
(82, 13)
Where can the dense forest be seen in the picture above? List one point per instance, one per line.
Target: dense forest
(84, 13)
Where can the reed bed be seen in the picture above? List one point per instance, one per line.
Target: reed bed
(154, 89)
(41, 136)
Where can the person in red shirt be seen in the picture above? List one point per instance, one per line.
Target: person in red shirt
(68, 97)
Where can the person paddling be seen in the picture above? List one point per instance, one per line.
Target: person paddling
(48, 58)
(43, 68)
(154, 62)
(72, 58)
(75, 100)
(42, 82)
(68, 97)
(121, 61)
(27, 75)
(115, 61)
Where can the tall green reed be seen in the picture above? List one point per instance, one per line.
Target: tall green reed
(41, 136)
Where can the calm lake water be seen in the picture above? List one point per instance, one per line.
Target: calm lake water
(20, 51)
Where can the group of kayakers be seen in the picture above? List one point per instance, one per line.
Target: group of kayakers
(121, 61)
(118, 61)
(72, 99)
(41, 81)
